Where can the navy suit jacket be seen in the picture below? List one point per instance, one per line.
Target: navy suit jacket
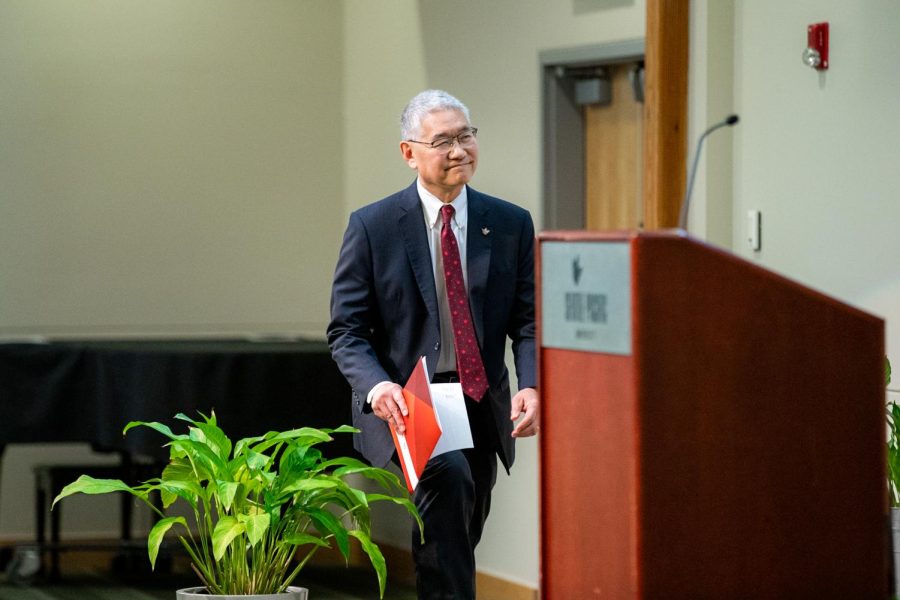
(384, 310)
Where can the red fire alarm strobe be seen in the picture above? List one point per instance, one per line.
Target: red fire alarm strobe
(816, 53)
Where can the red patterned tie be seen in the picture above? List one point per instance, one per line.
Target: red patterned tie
(468, 357)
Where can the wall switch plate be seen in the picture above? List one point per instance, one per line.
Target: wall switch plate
(754, 230)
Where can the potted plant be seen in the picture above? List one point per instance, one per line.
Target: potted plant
(254, 503)
(893, 468)
(893, 444)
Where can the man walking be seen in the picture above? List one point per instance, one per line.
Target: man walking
(443, 271)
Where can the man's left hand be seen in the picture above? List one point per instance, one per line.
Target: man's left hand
(525, 405)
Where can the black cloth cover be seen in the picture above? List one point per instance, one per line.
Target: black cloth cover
(87, 391)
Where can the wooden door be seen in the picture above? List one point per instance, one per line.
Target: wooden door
(613, 157)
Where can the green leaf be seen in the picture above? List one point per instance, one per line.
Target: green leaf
(170, 491)
(255, 525)
(178, 469)
(326, 523)
(305, 436)
(305, 485)
(300, 539)
(375, 556)
(227, 529)
(159, 427)
(344, 429)
(299, 459)
(361, 497)
(383, 477)
(256, 461)
(226, 491)
(158, 532)
(88, 485)
(242, 444)
(214, 438)
(405, 503)
(207, 463)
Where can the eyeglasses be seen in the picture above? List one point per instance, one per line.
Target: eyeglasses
(465, 138)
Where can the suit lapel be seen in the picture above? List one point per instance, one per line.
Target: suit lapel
(478, 256)
(412, 228)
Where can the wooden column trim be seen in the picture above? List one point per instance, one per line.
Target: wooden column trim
(665, 111)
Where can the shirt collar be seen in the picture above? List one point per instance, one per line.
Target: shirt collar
(432, 206)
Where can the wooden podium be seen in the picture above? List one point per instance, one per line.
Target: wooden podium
(709, 429)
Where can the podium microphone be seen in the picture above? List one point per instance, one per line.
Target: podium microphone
(682, 219)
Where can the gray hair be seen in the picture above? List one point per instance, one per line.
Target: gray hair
(424, 103)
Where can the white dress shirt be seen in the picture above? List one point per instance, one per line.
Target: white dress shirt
(432, 209)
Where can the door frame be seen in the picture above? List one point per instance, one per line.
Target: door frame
(665, 55)
(563, 126)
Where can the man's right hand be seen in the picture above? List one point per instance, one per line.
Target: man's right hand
(389, 405)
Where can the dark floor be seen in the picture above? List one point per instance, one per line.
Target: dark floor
(349, 584)
(122, 581)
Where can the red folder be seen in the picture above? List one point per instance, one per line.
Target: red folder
(422, 429)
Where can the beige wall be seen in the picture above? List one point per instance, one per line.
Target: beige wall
(384, 66)
(168, 166)
(815, 152)
(711, 99)
(819, 153)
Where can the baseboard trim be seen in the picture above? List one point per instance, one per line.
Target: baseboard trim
(490, 587)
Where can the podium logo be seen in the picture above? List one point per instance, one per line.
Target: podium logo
(576, 269)
(586, 308)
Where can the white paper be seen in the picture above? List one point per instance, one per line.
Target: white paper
(450, 410)
(406, 457)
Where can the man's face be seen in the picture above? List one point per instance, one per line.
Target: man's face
(443, 171)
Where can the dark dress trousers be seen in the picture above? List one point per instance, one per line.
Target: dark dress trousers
(384, 317)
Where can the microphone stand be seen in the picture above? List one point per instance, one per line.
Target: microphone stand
(682, 218)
